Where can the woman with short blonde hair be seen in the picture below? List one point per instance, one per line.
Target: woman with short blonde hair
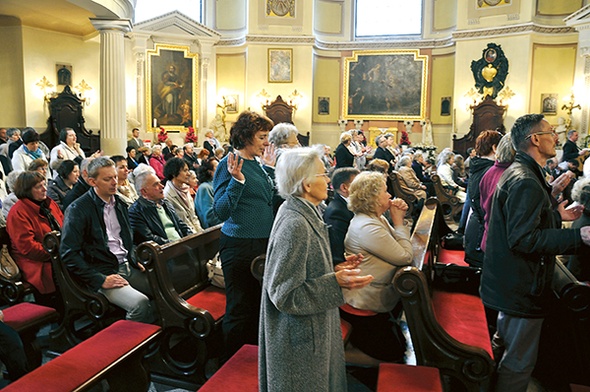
(384, 249)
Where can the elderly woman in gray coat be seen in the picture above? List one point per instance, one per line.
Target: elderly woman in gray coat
(300, 342)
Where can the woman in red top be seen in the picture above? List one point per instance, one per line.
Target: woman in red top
(33, 216)
(157, 161)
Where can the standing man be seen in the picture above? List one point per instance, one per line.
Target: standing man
(152, 217)
(135, 141)
(337, 215)
(523, 238)
(97, 244)
(382, 152)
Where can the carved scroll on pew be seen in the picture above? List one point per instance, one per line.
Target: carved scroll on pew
(190, 310)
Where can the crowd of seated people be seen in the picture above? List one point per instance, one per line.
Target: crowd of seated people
(108, 208)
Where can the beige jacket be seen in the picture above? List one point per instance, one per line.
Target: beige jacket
(384, 250)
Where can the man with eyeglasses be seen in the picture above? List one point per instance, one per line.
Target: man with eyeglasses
(523, 238)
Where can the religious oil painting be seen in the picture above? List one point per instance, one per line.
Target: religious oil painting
(385, 85)
(172, 87)
(280, 65)
(549, 104)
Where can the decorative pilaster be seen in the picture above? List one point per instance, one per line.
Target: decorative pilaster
(113, 137)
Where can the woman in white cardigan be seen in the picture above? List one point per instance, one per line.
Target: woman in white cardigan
(445, 172)
(384, 250)
(177, 191)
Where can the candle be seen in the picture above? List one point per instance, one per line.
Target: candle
(155, 123)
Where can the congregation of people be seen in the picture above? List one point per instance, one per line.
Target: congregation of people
(332, 227)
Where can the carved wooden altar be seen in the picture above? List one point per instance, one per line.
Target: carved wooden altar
(65, 111)
(488, 115)
(280, 111)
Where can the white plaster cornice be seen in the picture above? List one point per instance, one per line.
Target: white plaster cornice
(524, 28)
(178, 20)
(123, 25)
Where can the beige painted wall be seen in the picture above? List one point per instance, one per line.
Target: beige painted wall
(42, 50)
(326, 83)
(13, 113)
(442, 82)
(231, 80)
(552, 73)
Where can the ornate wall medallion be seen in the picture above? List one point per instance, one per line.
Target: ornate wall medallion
(490, 70)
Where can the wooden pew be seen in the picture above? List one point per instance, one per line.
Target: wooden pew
(451, 206)
(410, 199)
(114, 354)
(448, 330)
(27, 319)
(86, 311)
(189, 309)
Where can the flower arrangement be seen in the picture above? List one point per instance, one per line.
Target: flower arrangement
(191, 137)
(404, 139)
(162, 135)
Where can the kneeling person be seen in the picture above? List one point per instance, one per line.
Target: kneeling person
(97, 244)
(152, 217)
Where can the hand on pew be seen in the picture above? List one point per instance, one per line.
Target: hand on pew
(114, 281)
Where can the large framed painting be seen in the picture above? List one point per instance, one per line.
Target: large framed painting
(172, 87)
(280, 65)
(385, 85)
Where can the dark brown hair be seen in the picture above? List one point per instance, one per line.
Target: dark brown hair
(25, 182)
(243, 130)
(485, 141)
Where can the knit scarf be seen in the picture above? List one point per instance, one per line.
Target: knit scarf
(33, 154)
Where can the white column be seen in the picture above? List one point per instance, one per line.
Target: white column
(113, 135)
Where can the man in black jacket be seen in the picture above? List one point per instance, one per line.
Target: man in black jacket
(337, 215)
(383, 153)
(97, 245)
(524, 236)
(152, 217)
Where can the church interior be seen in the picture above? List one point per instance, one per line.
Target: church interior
(466, 66)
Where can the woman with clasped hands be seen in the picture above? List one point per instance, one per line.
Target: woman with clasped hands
(300, 341)
(243, 190)
(384, 249)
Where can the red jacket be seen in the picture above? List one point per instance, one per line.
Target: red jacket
(158, 164)
(26, 227)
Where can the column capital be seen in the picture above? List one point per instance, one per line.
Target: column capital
(122, 25)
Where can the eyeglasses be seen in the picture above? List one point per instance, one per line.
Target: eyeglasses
(552, 132)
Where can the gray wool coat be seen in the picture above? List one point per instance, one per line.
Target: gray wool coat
(300, 340)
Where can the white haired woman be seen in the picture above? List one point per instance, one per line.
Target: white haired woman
(445, 172)
(284, 135)
(578, 264)
(410, 182)
(301, 292)
(384, 248)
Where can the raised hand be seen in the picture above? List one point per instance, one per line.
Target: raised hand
(234, 166)
(269, 158)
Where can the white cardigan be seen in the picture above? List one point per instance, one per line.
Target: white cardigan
(184, 212)
(384, 249)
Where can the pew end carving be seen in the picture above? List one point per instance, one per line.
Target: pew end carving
(451, 205)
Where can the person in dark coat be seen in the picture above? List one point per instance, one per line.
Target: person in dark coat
(152, 217)
(337, 215)
(578, 264)
(382, 152)
(524, 236)
(344, 158)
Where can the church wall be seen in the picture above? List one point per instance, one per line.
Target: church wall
(262, 23)
(552, 73)
(44, 49)
(12, 88)
(231, 80)
(230, 15)
(442, 81)
(326, 83)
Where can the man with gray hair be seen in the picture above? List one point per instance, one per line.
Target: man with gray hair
(152, 217)
(12, 135)
(97, 244)
(524, 235)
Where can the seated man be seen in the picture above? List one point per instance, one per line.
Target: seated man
(152, 217)
(97, 244)
(337, 215)
(80, 187)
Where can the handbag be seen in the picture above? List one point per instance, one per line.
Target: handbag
(8, 268)
(215, 272)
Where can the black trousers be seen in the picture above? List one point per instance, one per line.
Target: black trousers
(242, 290)
(12, 353)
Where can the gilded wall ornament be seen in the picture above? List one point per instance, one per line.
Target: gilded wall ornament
(490, 71)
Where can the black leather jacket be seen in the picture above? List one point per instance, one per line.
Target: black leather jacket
(147, 225)
(84, 244)
(523, 238)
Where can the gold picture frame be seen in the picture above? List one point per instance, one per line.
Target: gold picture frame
(172, 87)
(280, 65)
(385, 85)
